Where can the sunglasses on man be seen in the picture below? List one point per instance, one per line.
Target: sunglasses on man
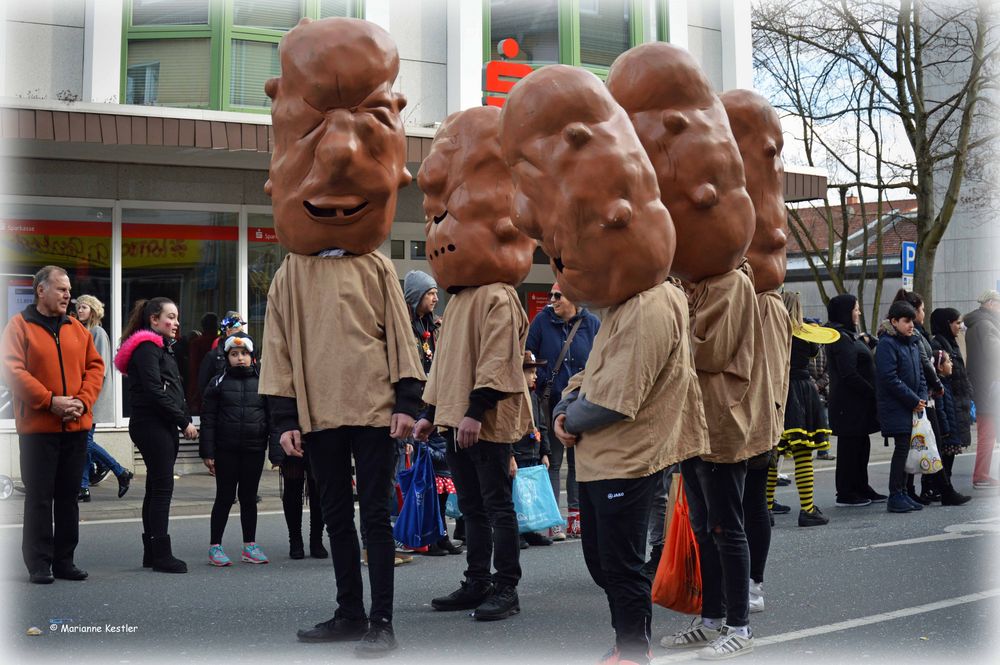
(555, 295)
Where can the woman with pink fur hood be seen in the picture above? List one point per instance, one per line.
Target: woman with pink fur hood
(159, 415)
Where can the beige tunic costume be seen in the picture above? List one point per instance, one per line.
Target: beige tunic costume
(726, 335)
(641, 367)
(481, 345)
(337, 338)
(777, 330)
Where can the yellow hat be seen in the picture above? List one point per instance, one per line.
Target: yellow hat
(816, 334)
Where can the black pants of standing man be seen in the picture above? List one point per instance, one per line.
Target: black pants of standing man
(51, 466)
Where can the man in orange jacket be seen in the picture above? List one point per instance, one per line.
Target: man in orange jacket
(55, 374)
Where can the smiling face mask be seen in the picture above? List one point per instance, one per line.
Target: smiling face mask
(467, 195)
(584, 187)
(684, 130)
(339, 144)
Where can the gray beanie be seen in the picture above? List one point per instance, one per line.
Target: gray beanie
(415, 285)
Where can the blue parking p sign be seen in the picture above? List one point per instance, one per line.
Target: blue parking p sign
(909, 257)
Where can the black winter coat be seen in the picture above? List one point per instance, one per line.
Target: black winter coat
(852, 401)
(233, 414)
(959, 387)
(155, 387)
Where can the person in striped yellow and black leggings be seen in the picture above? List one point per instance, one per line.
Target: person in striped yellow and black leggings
(806, 428)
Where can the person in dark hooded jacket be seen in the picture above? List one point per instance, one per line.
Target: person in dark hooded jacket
(234, 435)
(946, 323)
(902, 393)
(851, 403)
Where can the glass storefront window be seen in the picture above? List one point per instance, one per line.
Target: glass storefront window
(604, 31)
(76, 238)
(253, 63)
(191, 257)
(270, 14)
(328, 8)
(170, 12)
(168, 72)
(264, 256)
(534, 25)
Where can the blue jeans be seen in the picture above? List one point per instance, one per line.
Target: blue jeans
(96, 453)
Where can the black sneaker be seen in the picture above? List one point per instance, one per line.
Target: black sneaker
(812, 517)
(378, 641)
(98, 473)
(469, 596)
(874, 496)
(780, 509)
(931, 496)
(84, 495)
(435, 550)
(918, 498)
(337, 629)
(502, 604)
(854, 501)
(536, 539)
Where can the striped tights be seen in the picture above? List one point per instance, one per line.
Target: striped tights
(804, 478)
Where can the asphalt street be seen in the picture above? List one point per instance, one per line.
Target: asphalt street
(869, 587)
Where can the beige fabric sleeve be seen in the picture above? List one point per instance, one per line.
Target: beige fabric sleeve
(500, 352)
(276, 363)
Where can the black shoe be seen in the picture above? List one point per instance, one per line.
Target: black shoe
(812, 518)
(42, 577)
(69, 572)
(919, 499)
(469, 596)
(950, 497)
(856, 501)
(163, 559)
(536, 539)
(779, 509)
(337, 629)
(84, 495)
(124, 481)
(296, 550)
(434, 550)
(521, 542)
(823, 455)
(378, 641)
(784, 481)
(874, 496)
(316, 549)
(931, 496)
(502, 604)
(449, 547)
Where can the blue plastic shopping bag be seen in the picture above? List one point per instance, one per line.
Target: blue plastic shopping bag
(451, 508)
(419, 522)
(534, 502)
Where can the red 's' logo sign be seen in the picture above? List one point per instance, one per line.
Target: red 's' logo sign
(499, 76)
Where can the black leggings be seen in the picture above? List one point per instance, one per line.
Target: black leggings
(757, 521)
(236, 473)
(157, 442)
(293, 473)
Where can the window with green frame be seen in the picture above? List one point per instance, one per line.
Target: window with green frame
(211, 54)
(586, 33)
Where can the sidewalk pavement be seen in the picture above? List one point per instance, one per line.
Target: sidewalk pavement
(194, 493)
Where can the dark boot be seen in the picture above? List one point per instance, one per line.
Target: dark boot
(930, 486)
(502, 604)
(448, 546)
(468, 596)
(147, 555)
(163, 559)
(950, 496)
(316, 549)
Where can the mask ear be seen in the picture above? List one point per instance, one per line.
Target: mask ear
(577, 134)
(271, 88)
(705, 196)
(674, 121)
(268, 187)
(400, 101)
(405, 178)
(618, 216)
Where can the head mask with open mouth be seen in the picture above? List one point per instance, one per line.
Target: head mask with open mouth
(758, 133)
(584, 186)
(467, 193)
(339, 144)
(685, 131)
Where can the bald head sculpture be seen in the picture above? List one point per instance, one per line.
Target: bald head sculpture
(339, 144)
(758, 135)
(684, 130)
(584, 187)
(467, 195)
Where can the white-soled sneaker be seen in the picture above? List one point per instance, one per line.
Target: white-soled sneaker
(695, 635)
(756, 597)
(728, 644)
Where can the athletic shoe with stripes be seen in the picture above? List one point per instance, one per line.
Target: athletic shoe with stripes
(695, 635)
(728, 644)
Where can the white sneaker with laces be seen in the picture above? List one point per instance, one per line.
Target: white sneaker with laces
(756, 597)
(695, 635)
(557, 533)
(728, 644)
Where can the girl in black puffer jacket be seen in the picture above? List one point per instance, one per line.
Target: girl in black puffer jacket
(234, 433)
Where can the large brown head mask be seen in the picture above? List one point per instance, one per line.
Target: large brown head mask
(339, 145)
(758, 134)
(684, 129)
(467, 194)
(584, 187)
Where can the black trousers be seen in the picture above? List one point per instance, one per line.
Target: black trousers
(852, 466)
(614, 519)
(330, 453)
(757, 521)
(897, 464)
(51, 466)
(294, 473)
(715, 499)
(485, 496)
(236, 473)
(158, 443)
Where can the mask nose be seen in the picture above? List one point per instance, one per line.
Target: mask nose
(339, 143)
